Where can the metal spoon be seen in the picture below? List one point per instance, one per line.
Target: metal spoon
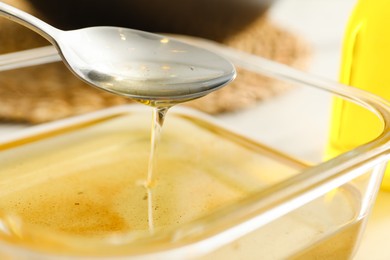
(140, 65)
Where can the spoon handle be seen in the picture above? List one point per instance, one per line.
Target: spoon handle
(31, 22)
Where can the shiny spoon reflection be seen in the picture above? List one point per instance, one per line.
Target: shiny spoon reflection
(136, 64)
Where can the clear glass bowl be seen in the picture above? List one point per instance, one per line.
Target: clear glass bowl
(247, 185)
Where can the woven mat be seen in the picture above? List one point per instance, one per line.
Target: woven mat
(48, 92)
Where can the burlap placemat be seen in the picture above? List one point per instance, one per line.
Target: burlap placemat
(48, 92)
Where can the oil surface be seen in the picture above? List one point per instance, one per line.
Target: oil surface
(79, 191)
(87, 182)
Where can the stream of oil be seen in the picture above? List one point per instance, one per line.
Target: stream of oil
(159, 113)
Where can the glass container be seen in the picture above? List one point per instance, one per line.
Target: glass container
(254, 184)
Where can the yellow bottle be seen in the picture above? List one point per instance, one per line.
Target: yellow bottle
(366, 65)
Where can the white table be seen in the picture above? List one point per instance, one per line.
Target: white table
(322, 23)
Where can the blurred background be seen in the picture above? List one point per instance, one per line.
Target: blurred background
(316, 28)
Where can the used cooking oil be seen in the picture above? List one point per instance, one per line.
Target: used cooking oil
(365, 65)
(78, 191)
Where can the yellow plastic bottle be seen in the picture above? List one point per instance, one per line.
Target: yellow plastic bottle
(365, 65)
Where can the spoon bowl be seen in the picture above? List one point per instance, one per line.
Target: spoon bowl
(144, 66)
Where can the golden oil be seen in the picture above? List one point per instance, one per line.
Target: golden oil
(78, 191)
